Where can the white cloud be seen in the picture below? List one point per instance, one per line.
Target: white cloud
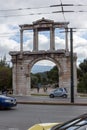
(80, 47)
(59, 43)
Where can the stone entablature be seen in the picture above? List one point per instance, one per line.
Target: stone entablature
(44, 24)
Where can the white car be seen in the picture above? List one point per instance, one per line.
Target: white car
(59, 92)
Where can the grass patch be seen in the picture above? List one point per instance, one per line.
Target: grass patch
(82, 94)
(39, 94)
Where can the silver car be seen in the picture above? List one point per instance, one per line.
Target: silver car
(59, 92)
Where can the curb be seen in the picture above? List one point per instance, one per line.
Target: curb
(51, 103)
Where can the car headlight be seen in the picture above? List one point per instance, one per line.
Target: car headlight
(9, 101)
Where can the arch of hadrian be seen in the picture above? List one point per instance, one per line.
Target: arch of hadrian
(23, 61)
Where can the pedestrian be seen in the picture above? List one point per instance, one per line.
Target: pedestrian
(45, 89)
(38, 89)
(4, 90)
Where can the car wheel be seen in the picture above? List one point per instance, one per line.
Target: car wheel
(65, 96)
(51, 96)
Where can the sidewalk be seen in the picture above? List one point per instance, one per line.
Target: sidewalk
(50, 101)
(42, 97)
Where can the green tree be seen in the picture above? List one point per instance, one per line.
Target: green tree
(5, 74)
(83, 66)
(79, 74)
(82, 77)
(44, 78)
(53, 75)
(34, 81)
(82, 85)
(5, 77)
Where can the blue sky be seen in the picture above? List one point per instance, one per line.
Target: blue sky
(14, 14)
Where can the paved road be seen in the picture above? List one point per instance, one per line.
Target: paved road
(24, 116)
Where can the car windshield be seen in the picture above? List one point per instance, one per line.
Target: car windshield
(59, 89)
(75, 124)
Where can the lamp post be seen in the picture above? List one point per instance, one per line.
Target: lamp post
(71, 51)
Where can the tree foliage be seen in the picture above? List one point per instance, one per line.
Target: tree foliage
(82, 77)
(5, 74)
(45, 78)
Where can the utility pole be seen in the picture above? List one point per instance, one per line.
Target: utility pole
(71, 51)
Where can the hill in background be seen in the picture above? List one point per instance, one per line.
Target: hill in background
(40, 68)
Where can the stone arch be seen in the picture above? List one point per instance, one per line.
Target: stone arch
(22, 68)
(24, 60)
(46, 58)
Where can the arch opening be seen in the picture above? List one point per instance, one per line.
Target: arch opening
(44, 76)
(28, 40)
(59, 38)
(44, 40)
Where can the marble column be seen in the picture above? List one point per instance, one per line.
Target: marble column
(52, 40)
(66, 39)
(35, 40)
(21, 40)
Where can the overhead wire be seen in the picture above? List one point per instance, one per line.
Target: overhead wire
(17, 33)
(62, 9)
(28, 8)
(19, 15)
(46, 13)
(39, 13)
(50, 6)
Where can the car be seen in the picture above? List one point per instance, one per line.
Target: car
(59, 92)
(7, 102)
(78, 123)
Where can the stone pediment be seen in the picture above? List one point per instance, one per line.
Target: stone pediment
(44, 24)
(43, 21)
